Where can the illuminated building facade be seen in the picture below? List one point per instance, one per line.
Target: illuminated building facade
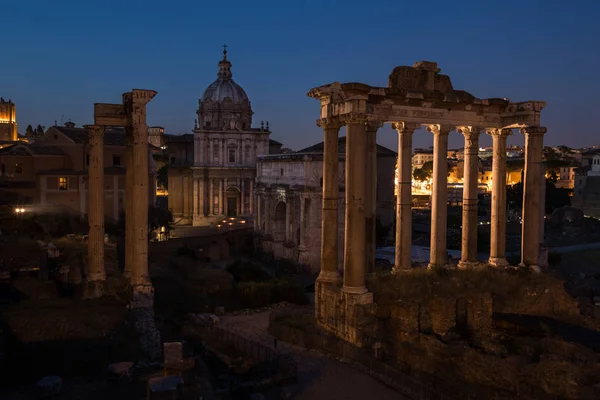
(8, 121)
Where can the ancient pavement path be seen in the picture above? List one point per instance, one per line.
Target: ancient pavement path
(319, 376)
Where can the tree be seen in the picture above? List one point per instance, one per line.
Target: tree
(39, 130)
(420, 175)
(29, 130)
(163, 176)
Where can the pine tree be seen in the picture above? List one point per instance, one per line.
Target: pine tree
(29, 130)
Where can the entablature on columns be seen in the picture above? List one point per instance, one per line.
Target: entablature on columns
(419, 94)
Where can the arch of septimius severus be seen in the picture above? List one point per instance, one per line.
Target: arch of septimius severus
(419, 96)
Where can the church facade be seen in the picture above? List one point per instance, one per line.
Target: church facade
(212, 171)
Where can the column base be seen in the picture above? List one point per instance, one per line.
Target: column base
(328, 277)
(400, 270)
(467, 264)
(354, 289)
(93, 289)
(498, 262)
(532, 268)
(437, 266)
(142, 296)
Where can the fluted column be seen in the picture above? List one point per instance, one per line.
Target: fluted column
(403, 257)
(469, 205)
(371, 192)
(96, 274)
(498, 220)
(331, 190)
(251, 198)
(195, 201)
(243, 197)
(355, 238)
(532, 196)
(439, 196)
(140, 276)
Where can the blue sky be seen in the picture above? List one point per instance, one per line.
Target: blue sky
(59, 57)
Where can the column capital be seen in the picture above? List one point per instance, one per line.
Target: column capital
(469, 132)
(96, 133)
(405, 127)
(330, 123)
(354, 119)
(440, 129)
(374, 125)
(500, 132)
(533, 130)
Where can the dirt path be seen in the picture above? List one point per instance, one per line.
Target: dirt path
(319, 376)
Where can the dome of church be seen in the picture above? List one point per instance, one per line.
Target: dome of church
(224, 87)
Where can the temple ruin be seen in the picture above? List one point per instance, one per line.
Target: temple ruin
(417, 96)
(131, 114)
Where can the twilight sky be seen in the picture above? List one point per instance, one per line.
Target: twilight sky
(64, 55)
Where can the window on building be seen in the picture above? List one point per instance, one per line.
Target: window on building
(19, 169)
(63, 183)
(281, 171)
(321, 182)
(231, 155)
(87, 159)
(207, 124)
(172, 160)
(116, 160)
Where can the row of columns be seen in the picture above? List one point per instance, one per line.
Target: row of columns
(136, 200)
(203, 208)
(359, 246)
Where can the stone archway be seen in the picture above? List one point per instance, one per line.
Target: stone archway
(232, 202)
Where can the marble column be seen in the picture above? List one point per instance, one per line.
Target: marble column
(251, 198)
(355, 238)
(95, 275)
(468, 258)
(129, 203)
(201, 197)
(211, 194)
(243, 197)
(195, 201)
(371, 193)
(140, 276)
(438, 256)
(532, 196)
(221, 196)
(331, 191)
(403, 257)
(498, 211)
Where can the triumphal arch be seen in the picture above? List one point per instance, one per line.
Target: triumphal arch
(417, 96)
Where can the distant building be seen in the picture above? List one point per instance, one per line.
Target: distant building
(212, 171)
(8, 121)
(52, 172)
(420, 157)
(156, 136)
(586, 190)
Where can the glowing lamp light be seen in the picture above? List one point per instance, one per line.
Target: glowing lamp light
(218, 226)
(231, 218)
(231, 223)
(243, 222)
(19, 210)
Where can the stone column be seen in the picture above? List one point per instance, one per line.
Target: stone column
(331, 190)
(371, 193)
(116, 197)
(211, 194)
(404, 196)
(201, 197)
(140, 278)
(195, 201)
(96, 274)
(243, 197)
(355, 238)
(129, 203)
(251, 199)
(439, 196)
(468, 257)
(498, 222)
(221, 196)
(532, 196)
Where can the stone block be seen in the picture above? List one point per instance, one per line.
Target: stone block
(405, 315)
(443, 315)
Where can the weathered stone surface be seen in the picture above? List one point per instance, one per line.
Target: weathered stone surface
(443, 314)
